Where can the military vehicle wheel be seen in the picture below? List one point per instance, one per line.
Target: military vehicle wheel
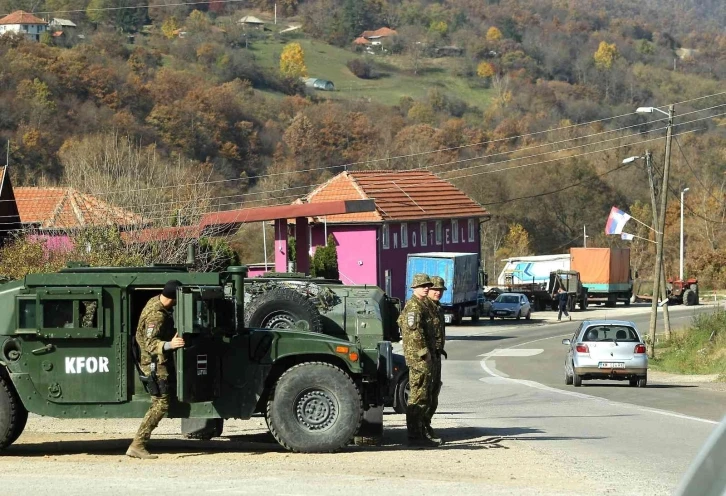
(315, 408)
(13, 414)
(283, 308)
(403, 389)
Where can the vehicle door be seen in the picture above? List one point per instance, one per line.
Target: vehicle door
(72, 349)
(198, 318)
(524, 302)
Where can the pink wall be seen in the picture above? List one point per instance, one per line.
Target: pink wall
(357, 262)
(256, 270)
(393, 259)
(61, 243)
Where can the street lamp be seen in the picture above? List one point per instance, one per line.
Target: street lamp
(681, 266)
(661, 221)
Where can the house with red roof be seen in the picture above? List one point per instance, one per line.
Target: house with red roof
(415, 211)
(24, 23)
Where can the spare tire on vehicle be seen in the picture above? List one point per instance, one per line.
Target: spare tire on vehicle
(283, 308)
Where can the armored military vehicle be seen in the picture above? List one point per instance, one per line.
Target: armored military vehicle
(67, 350)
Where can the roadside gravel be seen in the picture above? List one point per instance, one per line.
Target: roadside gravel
(77, 456)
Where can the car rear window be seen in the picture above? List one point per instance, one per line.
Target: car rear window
(508, 299)
(610, 333)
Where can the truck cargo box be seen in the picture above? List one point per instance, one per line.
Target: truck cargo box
(459, 270)
(602, 269)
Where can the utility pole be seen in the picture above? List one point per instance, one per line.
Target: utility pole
(660, 230)
(663, 291)
(584, 236)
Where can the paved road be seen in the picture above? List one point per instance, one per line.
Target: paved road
(507, 379)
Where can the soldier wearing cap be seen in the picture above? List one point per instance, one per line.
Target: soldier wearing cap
(434, 297)
(419, 348)
(156, 338)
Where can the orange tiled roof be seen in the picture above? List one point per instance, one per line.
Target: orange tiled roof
(361, 41)
(161, 234)
(67, 208)
(398, 195)
(381, 32)
(21, 17)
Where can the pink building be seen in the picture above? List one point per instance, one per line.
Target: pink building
(415, 211)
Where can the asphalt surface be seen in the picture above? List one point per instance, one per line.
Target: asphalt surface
(507, 379)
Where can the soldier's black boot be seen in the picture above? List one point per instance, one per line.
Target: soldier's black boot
(431, 434)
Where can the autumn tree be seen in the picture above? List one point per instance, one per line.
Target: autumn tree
(605, 55)
(516, 243)
(169, 27)
(292, 61)
(493, 34)
(485, 70)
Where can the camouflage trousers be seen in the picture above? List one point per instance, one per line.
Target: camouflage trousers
(419, 399)
(435, 389)
(157, 411)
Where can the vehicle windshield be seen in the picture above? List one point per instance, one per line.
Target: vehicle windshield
(610, 333)
(507, 299)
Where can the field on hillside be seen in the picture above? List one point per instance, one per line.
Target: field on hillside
(329, 62)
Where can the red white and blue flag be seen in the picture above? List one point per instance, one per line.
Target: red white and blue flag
(616, 221)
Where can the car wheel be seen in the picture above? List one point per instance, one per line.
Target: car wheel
(568, 378)
(403, 390)
(633, 381)
(577, 380)
(642, 381)
(519, 315)
(491, 317)
(529, 315)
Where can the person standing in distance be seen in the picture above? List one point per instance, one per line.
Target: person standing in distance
(157, 338)
(562, 300)
(435, 293)
(418, 349)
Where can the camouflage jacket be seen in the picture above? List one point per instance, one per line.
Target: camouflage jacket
(417, 331)
(437, 318)
(156, 327)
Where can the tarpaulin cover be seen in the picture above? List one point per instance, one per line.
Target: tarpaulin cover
(601, 265)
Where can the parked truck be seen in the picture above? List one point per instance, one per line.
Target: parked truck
(532, 270)
(605, 272)
(465, 281)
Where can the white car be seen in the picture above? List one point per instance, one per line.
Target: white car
(606, 349)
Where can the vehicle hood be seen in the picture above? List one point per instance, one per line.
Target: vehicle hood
(505, 306)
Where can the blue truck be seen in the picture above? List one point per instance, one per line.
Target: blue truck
(465, 281)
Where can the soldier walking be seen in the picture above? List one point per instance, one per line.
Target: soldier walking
(435, 293)
(418, 347)
(156, 338)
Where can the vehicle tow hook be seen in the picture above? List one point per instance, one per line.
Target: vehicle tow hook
(44, 349)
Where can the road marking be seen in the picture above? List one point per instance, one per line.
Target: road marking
(512, 352)
(537, 385)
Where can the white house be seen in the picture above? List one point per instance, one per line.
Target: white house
(25, 23)
(61, 24)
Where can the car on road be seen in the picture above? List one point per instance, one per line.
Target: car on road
(508, 305)
(606, 349)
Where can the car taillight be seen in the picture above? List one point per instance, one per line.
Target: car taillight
(582, 348)
(639, 349)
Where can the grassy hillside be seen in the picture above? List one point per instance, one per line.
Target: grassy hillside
(329, 62)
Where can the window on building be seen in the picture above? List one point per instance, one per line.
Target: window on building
(424, 233)
(386, 235)
(404, 235)
(472, 230)
(439, 232)
(455, 231)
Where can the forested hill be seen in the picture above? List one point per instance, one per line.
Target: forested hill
(527, 105)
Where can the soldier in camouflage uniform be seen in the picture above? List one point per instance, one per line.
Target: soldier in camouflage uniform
(89, 315)
(156, 338)
(418, 348)
(437, 317)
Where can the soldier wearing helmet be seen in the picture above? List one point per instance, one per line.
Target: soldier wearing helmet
(437, 316)
(419, 348)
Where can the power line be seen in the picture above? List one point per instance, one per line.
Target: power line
(707, 190)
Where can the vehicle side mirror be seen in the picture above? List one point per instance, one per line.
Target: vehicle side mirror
(566, 342)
